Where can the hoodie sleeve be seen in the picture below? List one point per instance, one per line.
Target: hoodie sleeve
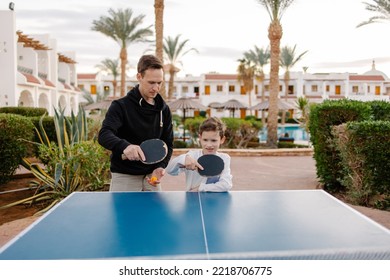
(108, 133)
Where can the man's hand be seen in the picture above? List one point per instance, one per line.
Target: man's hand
(134, 152)
(156, 176)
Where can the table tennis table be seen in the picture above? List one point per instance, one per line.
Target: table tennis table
(275, 225)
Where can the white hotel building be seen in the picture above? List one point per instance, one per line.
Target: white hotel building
(34, 74)
(214, 87)
(32, 71)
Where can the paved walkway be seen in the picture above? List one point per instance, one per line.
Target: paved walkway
(266, 170)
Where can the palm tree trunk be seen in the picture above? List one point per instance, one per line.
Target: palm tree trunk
(275, 33)
(114, 85)
(171, 81)
(159, 26)
(123, 57)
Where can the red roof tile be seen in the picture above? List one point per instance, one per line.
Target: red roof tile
(366, 78)
(31, 79)
(90, 76)
(221, 77)
(48, 83)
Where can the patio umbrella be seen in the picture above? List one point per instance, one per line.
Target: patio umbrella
(233, 105)
(215, 105)
(185, 103)
(282, 105)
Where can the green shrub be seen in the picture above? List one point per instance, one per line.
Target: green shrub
(322, 118)
(88, 157)
(24, 111)
(179, 144)
(13, 130)
(380, 110)
(365, 152)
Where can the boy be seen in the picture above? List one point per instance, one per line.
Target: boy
(211, 136)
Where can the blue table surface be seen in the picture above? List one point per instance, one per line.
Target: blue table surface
(235, 225)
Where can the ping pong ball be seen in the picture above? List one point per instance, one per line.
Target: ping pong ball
(153, 179)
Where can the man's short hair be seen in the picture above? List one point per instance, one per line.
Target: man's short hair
(148, 62)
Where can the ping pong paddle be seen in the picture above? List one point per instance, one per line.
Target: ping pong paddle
(155, 150)
(213, 165)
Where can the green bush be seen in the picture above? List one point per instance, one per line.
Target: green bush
(380, 110)
(322, 119)
(179, 144)
(13, 130)
(365, 152)
(24, 111)
(90, 159)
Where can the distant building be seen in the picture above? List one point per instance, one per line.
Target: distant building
(214, 88)
(33, 73)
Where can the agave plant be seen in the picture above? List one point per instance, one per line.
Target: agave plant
(62, 175)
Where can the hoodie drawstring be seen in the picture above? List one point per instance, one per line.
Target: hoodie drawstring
(161, 116)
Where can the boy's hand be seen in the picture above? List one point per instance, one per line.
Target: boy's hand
(192, 164)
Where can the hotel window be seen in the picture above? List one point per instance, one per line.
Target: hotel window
(242, 90)
(207, 90)
(256, 89)
(290, 89)
(338, 89)
(355, 89)
(314, 88)
(185, 89)
(93, 89)
(219, 88)
(266, 88)
(232, 88)
(377, 90)
(327, 88)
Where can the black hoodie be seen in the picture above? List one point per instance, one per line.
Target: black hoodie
(131, 120)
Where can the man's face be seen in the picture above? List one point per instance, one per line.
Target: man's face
(150, 83)
(210, 141)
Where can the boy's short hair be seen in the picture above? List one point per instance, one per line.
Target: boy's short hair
(148, 62)
(213, 124)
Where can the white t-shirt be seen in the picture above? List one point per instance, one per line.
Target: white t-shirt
(193, 179)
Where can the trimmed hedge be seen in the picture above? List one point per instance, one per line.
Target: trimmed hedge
(24, 111)
(322, 119)
(365, 152)
(13, 130)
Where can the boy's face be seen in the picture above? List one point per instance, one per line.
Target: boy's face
(210, 141)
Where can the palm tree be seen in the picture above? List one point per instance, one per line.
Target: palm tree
(275, 9)
(288, 60)
(259, 57)
(246, 74)
(382, 10)
(123, 28)
(174, 50)
(110, 66)
(159, 29)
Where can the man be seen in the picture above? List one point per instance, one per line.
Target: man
(141, 115)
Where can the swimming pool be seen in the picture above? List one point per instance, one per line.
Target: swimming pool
(294, 131)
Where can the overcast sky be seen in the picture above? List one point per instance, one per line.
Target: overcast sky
(221, 30)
